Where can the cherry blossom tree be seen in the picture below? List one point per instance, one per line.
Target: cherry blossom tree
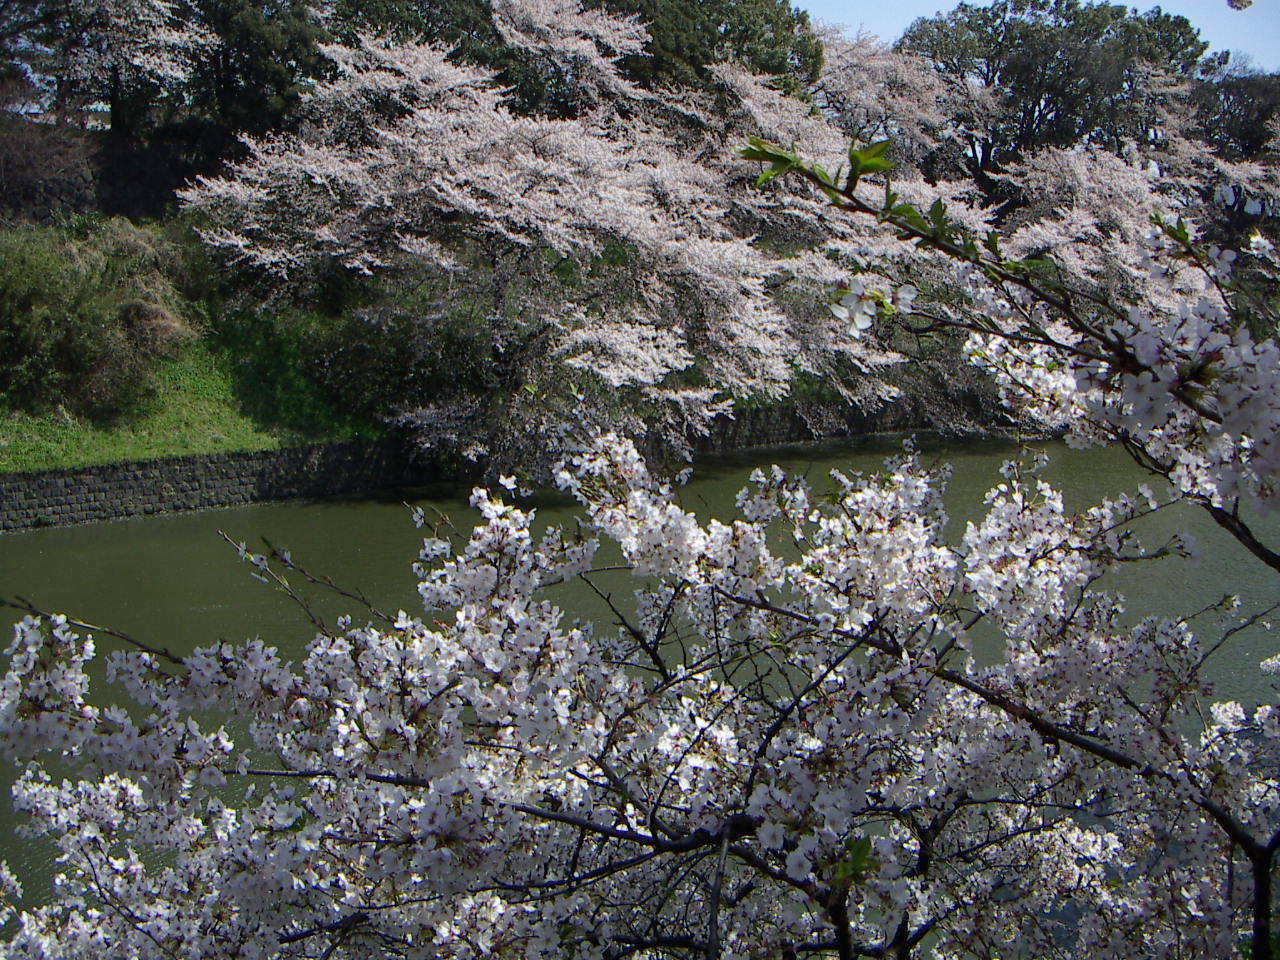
(1172, 373)
(621, 259)
(780, 742)
(872, 92)
(775, 751)
(625, 244)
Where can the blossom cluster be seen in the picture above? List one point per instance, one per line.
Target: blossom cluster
(786, 742)
(825, 725)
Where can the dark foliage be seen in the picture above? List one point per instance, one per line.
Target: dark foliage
(1063, 71)
(85, 310)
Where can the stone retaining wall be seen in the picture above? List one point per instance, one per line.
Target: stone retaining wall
(117, 491)
(202, 482)
(961, 406)
(787, 422)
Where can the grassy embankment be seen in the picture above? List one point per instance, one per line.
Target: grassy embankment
(198, 406)
(119, 342)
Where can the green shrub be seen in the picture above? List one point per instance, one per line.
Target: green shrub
(401, 356)
(369, 346)
(86, 308)
(274, 358)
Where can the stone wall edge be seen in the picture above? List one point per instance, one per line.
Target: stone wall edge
(354, 467)
(202, 482)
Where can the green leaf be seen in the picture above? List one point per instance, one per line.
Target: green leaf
(877, 149)
(781, 161)
(763, 150)
(857, 862)
(912, 216)
(867, 160)
(1041, 263)
(779, 167)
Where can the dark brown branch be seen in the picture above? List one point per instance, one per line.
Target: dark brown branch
(651, 650)
(26, 606)
(269, 576)
(326, 582)
(736, 826)
(1230, 521)
(343, 926)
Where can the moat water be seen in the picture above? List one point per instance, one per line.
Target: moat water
(174, 582)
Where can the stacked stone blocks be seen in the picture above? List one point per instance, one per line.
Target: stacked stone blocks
(116, 491)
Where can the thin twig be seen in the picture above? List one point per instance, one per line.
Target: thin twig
(26, 606)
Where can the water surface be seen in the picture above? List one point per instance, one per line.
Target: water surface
(172, 581)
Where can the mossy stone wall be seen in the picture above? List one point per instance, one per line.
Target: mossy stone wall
(116, 491)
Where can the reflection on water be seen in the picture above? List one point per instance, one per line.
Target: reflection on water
(173, 582)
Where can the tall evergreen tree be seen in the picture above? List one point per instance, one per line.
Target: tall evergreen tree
(1059, 71)
(1238, 106)
(767, 36)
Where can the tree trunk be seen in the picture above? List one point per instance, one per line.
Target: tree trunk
(1261, 864)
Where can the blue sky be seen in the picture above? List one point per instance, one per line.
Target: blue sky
(1255, 31)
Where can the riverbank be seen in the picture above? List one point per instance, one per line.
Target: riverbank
(198, 406)
(116, 491)
(122, 490)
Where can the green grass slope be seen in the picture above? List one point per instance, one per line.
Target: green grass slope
(202, 403)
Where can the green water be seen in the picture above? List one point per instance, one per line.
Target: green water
(173, 582)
